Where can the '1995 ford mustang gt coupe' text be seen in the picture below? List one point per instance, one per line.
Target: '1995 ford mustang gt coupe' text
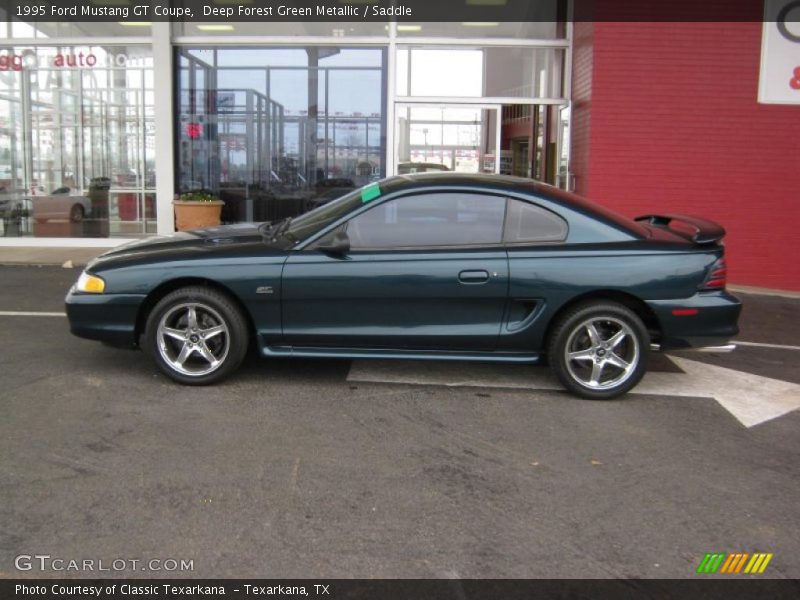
(427, 266)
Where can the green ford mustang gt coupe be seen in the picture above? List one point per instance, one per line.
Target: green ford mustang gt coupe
(441, 266)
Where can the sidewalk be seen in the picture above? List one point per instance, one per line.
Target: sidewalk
(47, 256)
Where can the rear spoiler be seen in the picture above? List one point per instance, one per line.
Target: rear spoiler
(705, 231)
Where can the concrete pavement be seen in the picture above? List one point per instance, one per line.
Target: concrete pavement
(294, 468)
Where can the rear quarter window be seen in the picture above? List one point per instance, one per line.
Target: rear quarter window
(529, 223)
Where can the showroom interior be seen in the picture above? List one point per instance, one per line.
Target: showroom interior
(102, 124)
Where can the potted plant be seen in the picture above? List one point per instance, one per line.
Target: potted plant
(197, 209)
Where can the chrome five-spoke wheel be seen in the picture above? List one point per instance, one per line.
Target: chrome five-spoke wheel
(197, 335)
(193, 338)
(601, 353)
(599, 349)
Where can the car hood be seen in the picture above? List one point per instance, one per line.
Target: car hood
(239, 239)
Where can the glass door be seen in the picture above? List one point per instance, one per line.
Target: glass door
(447, 137)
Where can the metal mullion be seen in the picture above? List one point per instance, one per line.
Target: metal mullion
(79, 126)
(271, 129)
(391, 98)
(566, 79)
(365, 41)
(482, 42)
(327, 117)
(277, 40)
(498, 127)
(143, 149)
(299, 68)
(27, 127)
(249, 126)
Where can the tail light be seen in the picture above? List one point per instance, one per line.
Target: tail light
(717, 276)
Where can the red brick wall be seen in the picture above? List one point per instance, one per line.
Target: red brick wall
(669, 121)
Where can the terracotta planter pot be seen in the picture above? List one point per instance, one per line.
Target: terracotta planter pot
(194, 215)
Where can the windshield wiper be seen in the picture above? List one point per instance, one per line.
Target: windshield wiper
(282, 227)
(265, 228)
(272, 229)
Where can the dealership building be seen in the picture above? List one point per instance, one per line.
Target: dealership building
(103, 123)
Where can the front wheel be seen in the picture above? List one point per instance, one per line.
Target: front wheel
(196, 335)
(599, 350)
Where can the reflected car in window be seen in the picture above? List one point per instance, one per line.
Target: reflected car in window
(62, 204)
(419, 167)
(434, 266)
(330, 189)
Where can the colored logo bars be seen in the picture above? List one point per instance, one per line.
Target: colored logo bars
(720, 562)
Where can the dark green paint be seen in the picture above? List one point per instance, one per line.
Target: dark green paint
(412, 303)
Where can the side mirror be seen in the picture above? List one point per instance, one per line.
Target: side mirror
(339, 244)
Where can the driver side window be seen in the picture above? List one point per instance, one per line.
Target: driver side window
(430, 220)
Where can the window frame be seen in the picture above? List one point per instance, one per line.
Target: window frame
(525, 243)
(312, 243)
(411, 248)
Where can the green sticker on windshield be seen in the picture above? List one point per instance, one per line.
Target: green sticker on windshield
(370, 192)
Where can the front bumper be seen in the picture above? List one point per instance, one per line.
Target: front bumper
(109, 318)
(703, 320)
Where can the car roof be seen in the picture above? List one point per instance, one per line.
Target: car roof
(510, 183)
(429, 178)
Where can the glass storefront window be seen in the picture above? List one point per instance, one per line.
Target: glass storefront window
(480, 72)
(458, 138)
(277, 131)
(76, 141)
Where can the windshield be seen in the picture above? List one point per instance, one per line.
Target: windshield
(309, 223)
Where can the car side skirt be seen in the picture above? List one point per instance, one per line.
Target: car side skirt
(324, 352)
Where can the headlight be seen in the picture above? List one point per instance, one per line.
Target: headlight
(90, 284)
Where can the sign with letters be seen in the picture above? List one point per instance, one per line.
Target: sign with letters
(779, 80)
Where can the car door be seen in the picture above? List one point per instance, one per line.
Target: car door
(424, 271)
(541, 272)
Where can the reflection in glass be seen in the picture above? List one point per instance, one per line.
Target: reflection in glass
(430, 220)
(475, 72)
(275, 132)
(76, 142)
(445, 138)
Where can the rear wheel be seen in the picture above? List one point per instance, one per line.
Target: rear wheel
(196, 335)
(599, 350)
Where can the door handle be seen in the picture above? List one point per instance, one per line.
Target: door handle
(473, 276)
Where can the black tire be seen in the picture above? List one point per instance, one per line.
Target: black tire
(76, 213)
(607, 319)
(213, 311)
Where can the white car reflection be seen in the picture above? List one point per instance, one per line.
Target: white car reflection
(62, 204)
